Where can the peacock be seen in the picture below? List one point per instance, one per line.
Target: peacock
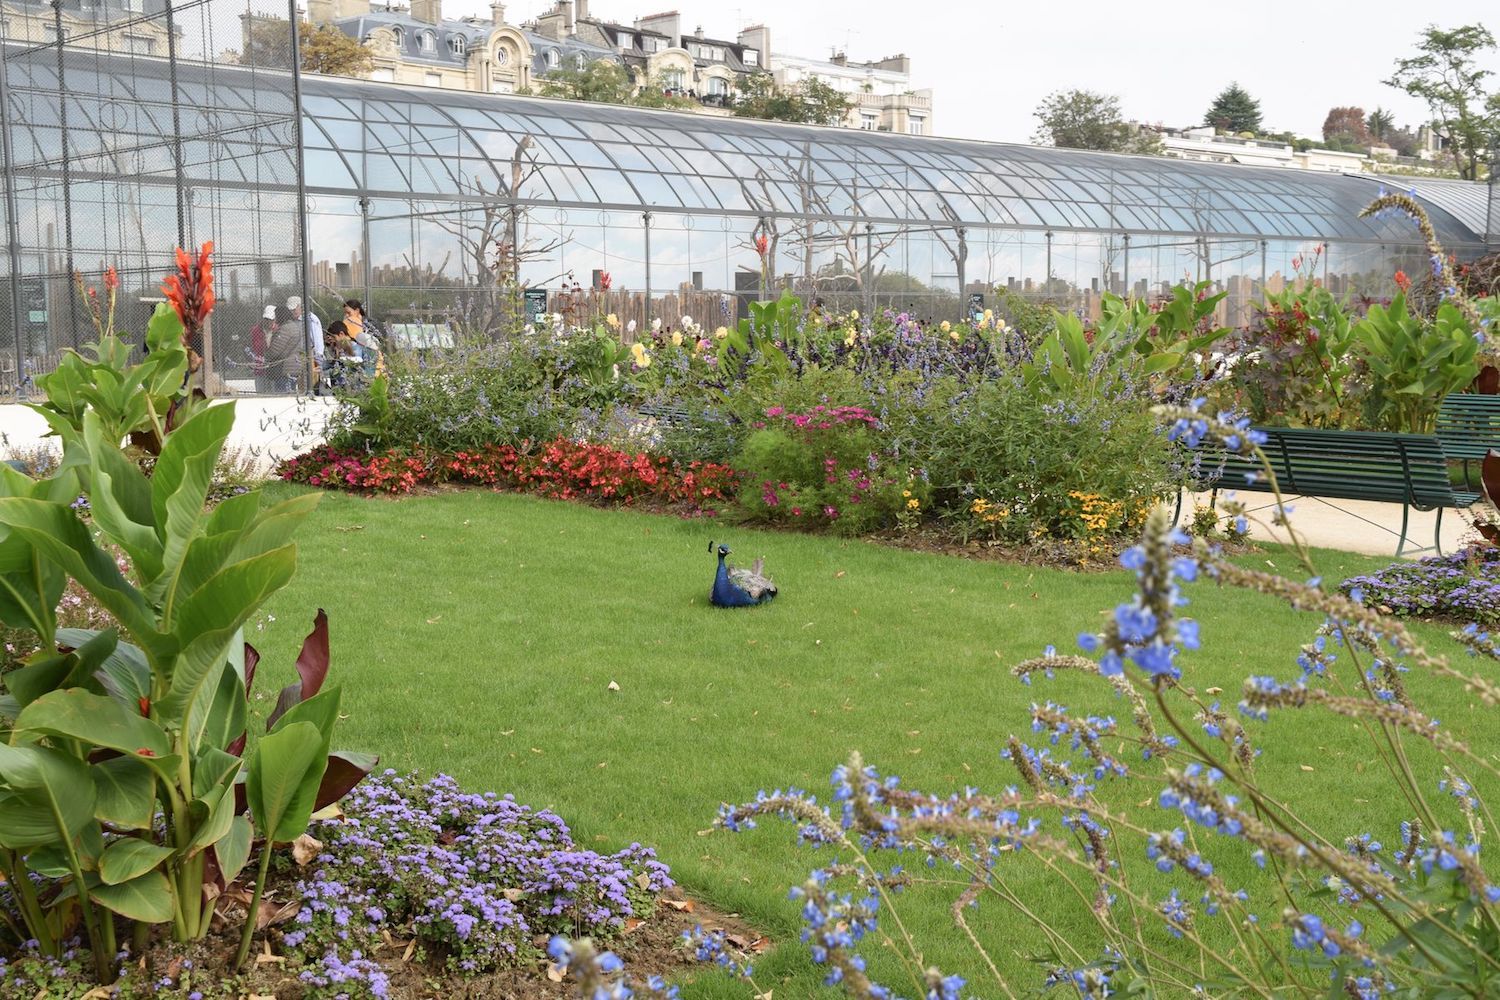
(739, 588)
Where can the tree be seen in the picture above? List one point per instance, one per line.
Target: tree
(812, 103)
(329, 51)
(1346, 126)
(1083, 119)
(1234, 111)
(325, 50)
(606, 82)
(1380, 124)
(1445, 74)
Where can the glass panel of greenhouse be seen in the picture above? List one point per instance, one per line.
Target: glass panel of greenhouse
(417, 199)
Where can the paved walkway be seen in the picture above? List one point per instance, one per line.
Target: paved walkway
(1351, 525)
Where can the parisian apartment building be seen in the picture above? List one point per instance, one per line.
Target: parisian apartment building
(416, 44)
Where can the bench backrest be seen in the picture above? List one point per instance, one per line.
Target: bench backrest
(1350, 465)
(1468, 424)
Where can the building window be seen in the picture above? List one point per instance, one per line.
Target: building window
(914, 126)
(581, 61)
(554, 58)
(141, 45)
(51, 33)
(652, 44)
(400, 34)
(383, 75)
(433, 79)
(869, 122)
(502, 87)
(752, 57)
(457, 45)
(673, 79)
(718, 86)
(627, 41)
(427, 41)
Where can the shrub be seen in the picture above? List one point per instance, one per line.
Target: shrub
(825, 467)
(1463, 586)
(474, 877)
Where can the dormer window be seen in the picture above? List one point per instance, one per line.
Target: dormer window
(581, 61)
(427, 41)
(457, 45)
(752, 57)
(554, 58)
(400, 35)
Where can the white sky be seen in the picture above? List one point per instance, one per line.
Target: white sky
(990, 63)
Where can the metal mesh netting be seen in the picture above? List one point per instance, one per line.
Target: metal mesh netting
(124, 137)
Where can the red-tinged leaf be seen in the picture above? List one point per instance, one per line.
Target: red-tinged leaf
(237, 747)
(1489, 477)
(1487, 383)
(345, 770)
(312, 662)
(289, 696)
(252, 660)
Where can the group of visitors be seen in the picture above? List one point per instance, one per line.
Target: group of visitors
(348, 349)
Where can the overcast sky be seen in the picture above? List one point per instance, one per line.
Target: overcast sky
(990, 62)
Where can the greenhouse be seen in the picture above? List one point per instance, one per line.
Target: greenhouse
(420, 200)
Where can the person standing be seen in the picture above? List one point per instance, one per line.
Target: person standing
(260, 336)
(314, 333)
(284, 353)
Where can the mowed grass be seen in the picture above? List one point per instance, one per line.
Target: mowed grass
(478, 634)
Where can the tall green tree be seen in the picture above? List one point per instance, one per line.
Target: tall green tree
(1084, 119)
(1234, 111)
(1380, 123)
(812, 103)
(606, 82)
(1445, 73)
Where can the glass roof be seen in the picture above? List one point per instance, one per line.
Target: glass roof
(585, 155)
(442, 146)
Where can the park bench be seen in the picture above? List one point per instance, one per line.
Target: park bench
(1468, 425)
(1409, 469)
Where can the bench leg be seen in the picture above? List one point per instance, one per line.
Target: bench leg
(1177, 511)
(1405, 514)
(1437, 536)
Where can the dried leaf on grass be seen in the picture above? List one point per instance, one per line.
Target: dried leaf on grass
(305, 848)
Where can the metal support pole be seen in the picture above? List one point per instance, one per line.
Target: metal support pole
(962, 259)
(869, 293)
(1047, 284)
(1127, 265)
(302, 255)
(67, 180)
(12, 228)
(182, 238)
(646, 221)
(364, 248)
(1263, 275)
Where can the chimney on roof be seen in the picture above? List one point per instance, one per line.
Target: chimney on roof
(427, 11)
(497, 12)
(581, 10)
(699, 32)
(839, 59)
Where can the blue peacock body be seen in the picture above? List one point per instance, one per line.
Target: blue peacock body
(736, 587)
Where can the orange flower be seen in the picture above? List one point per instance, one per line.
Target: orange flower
(1402, 281)
(111, 278)
(762, 244)
(191, 290)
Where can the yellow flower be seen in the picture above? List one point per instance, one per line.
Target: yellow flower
(854, 314)
(989, 314)
(638, 353)
(851, 338)
(945, 326)
(613, 320)
(676, 339)
(721, 333)
(906, 493)
(913, 503)
(955, 336)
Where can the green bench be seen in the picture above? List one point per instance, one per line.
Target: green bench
(1468, 425)
(1409, 469)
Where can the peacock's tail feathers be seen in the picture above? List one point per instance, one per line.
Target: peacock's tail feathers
(752, 582)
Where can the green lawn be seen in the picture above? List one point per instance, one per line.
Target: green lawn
(478, 633)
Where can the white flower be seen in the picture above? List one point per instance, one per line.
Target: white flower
(656, 325)
(630, 327)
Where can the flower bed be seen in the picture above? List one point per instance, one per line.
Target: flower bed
(563, 469)
(1464, 586)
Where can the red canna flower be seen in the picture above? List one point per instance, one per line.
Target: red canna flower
(191, 290)
(762, 244)
(145, 705)
(1402, 281)
(111, 278)
(145, 752)
(605, 281)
